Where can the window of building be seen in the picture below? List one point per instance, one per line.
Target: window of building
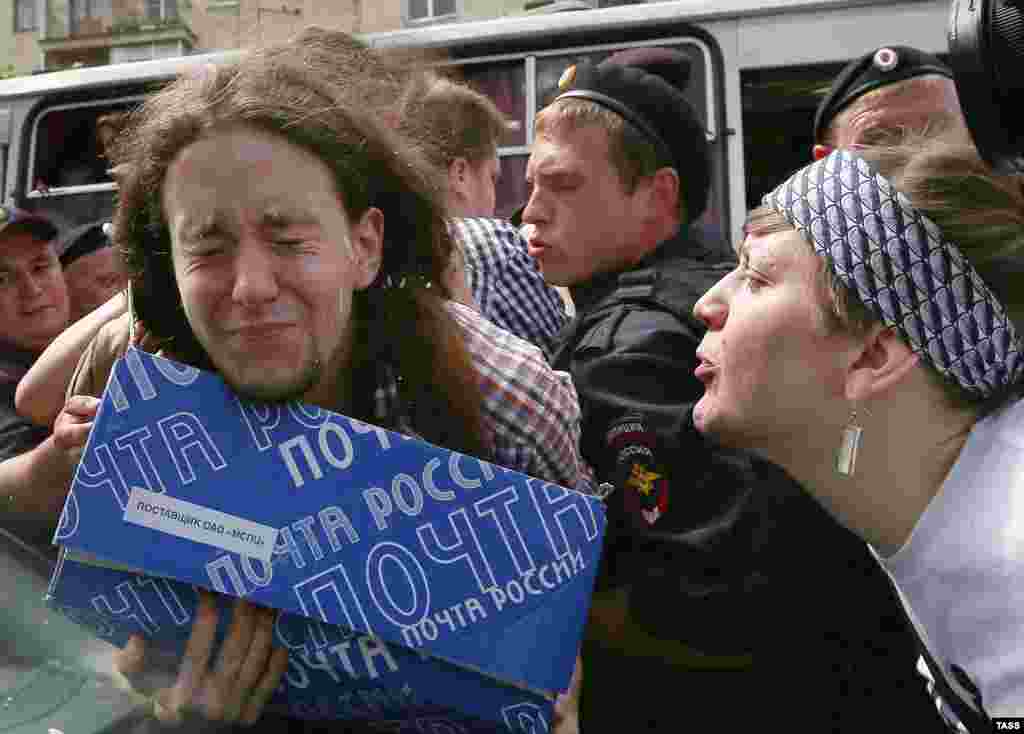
(147, 51)
(426, 10)
(90, 16)
(25, 15)
(161, 9)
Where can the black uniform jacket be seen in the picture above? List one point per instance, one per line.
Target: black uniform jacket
(673, 518)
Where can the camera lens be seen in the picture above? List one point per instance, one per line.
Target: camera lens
(986, 46)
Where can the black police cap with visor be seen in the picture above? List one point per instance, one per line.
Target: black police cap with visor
(874, 70)
(645, 87)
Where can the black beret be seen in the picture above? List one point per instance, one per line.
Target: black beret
(82, 241)
(885, 65)
(645, 87)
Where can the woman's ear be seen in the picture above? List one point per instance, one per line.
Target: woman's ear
(367, 235)
(884, 361)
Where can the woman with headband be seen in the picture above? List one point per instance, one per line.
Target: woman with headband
(867, 344)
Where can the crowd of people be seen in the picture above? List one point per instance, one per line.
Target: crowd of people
(807, 450)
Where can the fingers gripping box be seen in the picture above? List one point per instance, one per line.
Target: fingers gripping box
(419, 588)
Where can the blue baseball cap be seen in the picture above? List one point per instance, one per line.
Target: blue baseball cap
(40, 226)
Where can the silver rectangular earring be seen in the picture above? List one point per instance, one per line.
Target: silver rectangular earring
(846, 456)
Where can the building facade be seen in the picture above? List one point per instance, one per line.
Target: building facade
(45, 35)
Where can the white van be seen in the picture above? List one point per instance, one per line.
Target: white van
(759, 67)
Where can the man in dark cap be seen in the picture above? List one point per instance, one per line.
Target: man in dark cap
(91, 268)
(33, 310)
(885, 91)
(619, 171)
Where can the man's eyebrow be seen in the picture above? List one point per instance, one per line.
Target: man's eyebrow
(556, 171)
(195, 228)
(279, 217)
(204, 231)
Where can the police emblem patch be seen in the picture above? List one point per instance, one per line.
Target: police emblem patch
(645, 488)
(651, 492)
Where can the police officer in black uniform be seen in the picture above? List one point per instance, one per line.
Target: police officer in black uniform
(619, 171)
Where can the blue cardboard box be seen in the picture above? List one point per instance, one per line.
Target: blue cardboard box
(418, 586)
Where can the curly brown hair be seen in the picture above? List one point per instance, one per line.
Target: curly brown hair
(276, 90)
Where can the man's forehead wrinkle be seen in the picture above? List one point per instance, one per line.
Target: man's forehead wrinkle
(279, 208)
(554, 164)
(275, 212)
(920, 92)
(24, 251)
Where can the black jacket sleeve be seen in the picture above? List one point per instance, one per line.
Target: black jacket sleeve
(634, 367)
(687, 548)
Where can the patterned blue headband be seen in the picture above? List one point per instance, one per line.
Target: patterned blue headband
(903, 269)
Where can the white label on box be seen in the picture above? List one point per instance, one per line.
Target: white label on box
(201, 524)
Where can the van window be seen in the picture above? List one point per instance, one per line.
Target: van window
(511, 190)
(68, 177)
(504, 82)
(778, 122)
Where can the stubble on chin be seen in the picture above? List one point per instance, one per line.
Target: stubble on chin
(252, 387)
(276, 393)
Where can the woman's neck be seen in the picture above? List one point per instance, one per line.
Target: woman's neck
(908, 448)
